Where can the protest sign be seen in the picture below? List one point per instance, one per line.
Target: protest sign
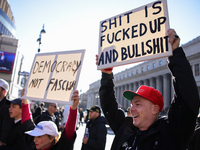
(136, 35)
(54, 76)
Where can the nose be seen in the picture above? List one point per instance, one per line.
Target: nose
(34, 139)
(132, 108)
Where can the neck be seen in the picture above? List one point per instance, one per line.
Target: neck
(48, 147)
(18, 117)
(2, 97)
(51, 113)
(16, 121)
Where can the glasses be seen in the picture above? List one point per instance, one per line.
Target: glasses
(54, 106)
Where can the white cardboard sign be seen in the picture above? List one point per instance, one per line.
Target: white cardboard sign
(136, 35)
(54, 76)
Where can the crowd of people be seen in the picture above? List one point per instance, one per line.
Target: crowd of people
(142, 128)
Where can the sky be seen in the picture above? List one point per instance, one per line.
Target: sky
(74, 25)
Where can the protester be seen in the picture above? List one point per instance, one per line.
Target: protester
(148, 131)
(87, 116)
(45, 133)
(48, 115)
(17, 139)
(5, 120)
(58, 119)
(96, 140)
(39, 110)
(128, 112)
(80, 116)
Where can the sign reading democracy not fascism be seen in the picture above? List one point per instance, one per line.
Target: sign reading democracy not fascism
(54, 76)
(136, 35)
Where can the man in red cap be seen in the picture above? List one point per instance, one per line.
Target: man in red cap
(145, 130)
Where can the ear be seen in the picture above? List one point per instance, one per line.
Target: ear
(4, 92)
(20, 110)
(52, 138)
(155, 109)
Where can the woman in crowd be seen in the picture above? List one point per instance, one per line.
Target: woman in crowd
(46, 134)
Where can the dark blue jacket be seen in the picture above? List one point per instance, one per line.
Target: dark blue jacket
(97, 134)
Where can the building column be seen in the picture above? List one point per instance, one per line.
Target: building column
(166, 90)
(125, 100)
(119, 95)
(130, 86)
(153, 82)
(146, 82)
(159, 84)
(141, 83)
(135, 86)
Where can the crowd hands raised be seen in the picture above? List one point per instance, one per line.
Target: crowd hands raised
(142, 128)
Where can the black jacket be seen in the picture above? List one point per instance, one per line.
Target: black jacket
(5, 121)
(45, 116)
(18, 140)
(194, 143)
(97, 134)
(169, 133)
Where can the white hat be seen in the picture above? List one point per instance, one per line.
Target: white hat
(4, 84)
(44, 127)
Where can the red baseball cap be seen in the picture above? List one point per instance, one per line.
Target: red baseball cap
(146, 92)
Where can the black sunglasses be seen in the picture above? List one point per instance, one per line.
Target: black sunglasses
(54, 106)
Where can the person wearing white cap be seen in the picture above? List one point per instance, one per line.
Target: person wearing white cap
(5, 120)
(146, 130)
(46, 133)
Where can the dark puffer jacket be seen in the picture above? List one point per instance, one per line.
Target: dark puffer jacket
(97, 134)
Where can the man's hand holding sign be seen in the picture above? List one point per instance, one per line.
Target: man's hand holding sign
(134, 36)
(173, 39)
(54, 76)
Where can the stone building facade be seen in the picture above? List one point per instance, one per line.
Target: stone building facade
(153, 73)
(9, 48)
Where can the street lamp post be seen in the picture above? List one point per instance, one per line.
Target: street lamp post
(40, 37)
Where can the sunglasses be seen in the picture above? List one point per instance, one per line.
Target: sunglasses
(54, 106)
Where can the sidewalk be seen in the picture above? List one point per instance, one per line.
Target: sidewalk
(80, 134)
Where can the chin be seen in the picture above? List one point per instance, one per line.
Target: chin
(135, 123)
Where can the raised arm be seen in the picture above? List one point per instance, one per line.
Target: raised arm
(70, 125)
(26, 114)
(109, 105)
(185, 103)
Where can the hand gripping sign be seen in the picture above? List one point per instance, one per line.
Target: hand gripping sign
(136, 35)
(53, 76)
